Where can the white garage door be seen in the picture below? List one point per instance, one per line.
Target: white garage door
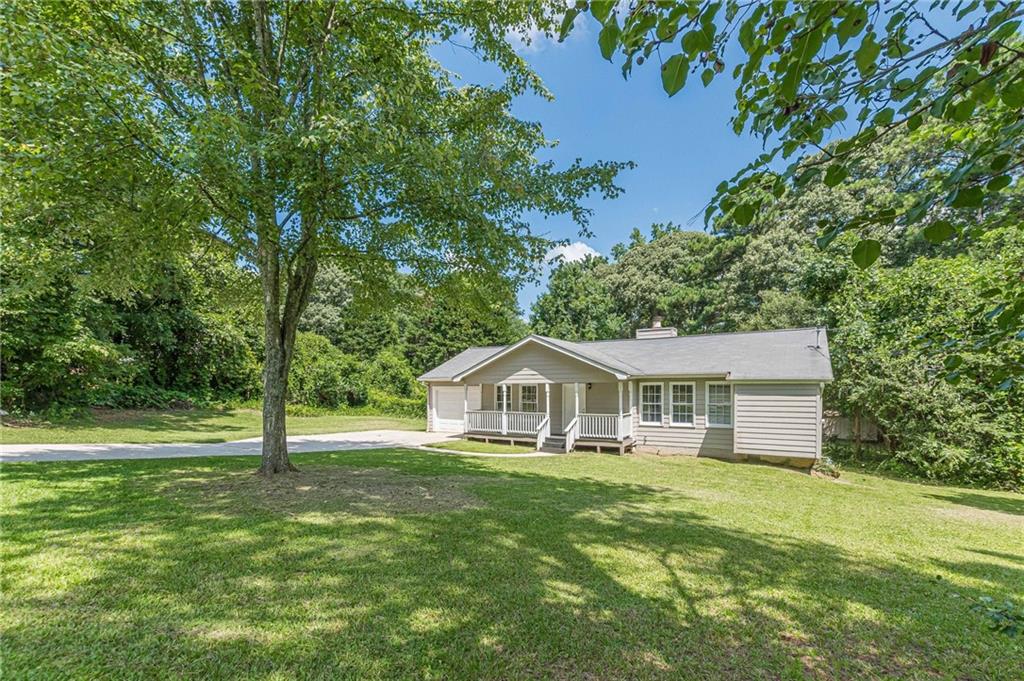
(448, 403)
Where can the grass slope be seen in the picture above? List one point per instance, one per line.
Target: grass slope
(406, 564)
(187, 425)
(481, 447)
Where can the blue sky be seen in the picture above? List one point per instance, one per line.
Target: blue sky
(683, 146)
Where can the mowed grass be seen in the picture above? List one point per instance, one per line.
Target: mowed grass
(186, 425)
(407, 564)
(480, 447)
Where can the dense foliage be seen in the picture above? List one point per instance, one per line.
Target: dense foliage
(916, 345)
(194, 337)
(294, 133)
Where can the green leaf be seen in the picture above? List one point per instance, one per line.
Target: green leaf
(673, 74)
(998, 183)
(747, 35)
(706, 76)
(939, 231)
(866, 252)
(852, 24)
(1013, 95)
(601, 9)
(968, 197)
(867, 54)
(608, 39)
(696, 41)
(835, 174)
(567, 22)
(1000, 162)
(743, 214)
(914, 122)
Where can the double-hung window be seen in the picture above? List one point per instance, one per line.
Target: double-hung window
(650, 404)
(528, 398)
(502, 393)
(719, 405)
(683, 404)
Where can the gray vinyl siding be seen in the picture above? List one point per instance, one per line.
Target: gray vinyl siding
(696, 439)
(533, 363)
(782, 419)
(603, 398)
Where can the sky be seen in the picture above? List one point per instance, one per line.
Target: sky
(683, 146)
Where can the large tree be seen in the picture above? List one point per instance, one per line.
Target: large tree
(292, 132)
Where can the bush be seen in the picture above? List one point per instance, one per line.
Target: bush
(324, 376)
(383, 403)
(390, 372)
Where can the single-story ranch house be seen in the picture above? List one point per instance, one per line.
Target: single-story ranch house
(728, 395)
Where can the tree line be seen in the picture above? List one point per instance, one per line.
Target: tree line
(911, 337)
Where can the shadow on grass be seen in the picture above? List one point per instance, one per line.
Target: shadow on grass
(984, 502)
(190, 568)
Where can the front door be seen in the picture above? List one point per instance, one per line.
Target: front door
(569, 402)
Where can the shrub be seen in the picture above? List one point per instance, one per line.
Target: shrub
(324, 376)
(383, 403)
(390, 372)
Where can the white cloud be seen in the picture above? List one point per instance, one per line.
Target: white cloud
(535, 40)
(577, 250)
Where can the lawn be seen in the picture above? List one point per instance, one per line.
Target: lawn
(187, 425)
(481, 447)
(407, 564)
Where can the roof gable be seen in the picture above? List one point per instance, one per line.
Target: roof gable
(560, 347)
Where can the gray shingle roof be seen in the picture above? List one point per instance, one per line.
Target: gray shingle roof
(786, 354)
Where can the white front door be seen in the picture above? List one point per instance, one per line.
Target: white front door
(569, 402)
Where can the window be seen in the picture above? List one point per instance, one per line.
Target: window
(650, 404)
(719, 404)
(501, 397)
(682, 404)
(528, 398)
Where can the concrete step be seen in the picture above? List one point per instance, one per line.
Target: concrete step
(552, 450)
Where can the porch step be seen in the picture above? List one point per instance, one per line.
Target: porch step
(553, 444)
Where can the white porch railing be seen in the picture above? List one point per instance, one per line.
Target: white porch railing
(625, 426)
(605, 426)
(544, 431)
(571, 432)
(505, 422)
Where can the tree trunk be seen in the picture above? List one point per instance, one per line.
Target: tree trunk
(279, 327)
(275, 389)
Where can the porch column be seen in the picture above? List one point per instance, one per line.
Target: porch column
(504, 408)
(576, 392)
(631, 399)
(547, 401)
(465, 408)
(618, 416)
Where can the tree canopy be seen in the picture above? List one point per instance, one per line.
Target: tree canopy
(292, 133)
(825, 84)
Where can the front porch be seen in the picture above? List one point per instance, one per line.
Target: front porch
(553, 416)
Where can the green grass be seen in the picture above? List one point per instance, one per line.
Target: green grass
(481, 447)
(186, 425)
(406, 564)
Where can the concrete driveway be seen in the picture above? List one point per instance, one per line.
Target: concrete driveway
(370, 439)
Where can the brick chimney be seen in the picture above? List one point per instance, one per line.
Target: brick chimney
(656, 330)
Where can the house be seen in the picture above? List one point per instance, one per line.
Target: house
(728, 395)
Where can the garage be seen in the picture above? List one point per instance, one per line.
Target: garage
(448, 405)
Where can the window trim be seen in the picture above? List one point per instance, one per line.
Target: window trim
(661, 403)
(536, 399)
(707, 405)
(672, 403)
(497, 387)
